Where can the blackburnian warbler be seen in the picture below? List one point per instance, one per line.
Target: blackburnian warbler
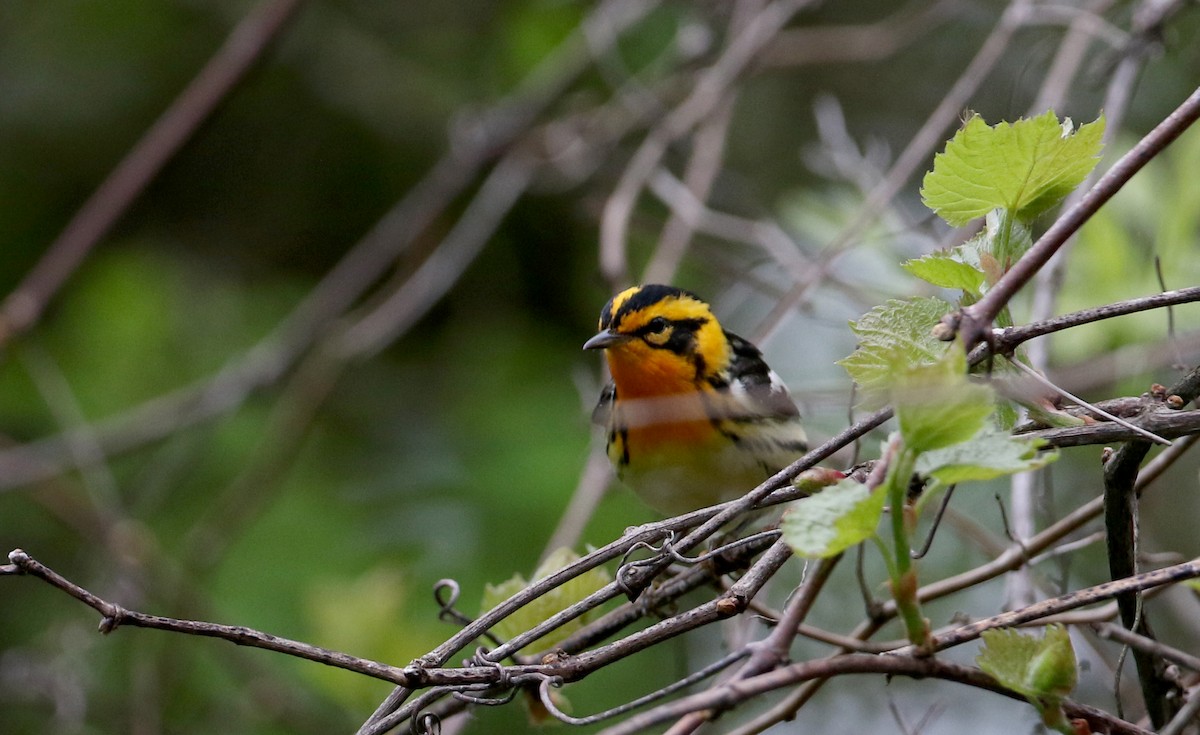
(694, 416)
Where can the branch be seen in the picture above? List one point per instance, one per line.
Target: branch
(1062, 603)
(975, 320)
(1129, 638)
(710, 87)
(730, 695)
(244, 46)
(1006, 340)
(1167, 423)
(115, 616)
(1121, 527)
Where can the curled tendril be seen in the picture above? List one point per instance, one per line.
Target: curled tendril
(426, 723)
(937, 521)
(667, 540)
(630, 586)
(487, 701)
(446, 607)
(447, 611)
(480, 658)
(718, 551)
(626, 569)
(505, 680)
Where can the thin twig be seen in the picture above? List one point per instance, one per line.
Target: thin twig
(1149, 645)
(860, 42)
(1165, 423)
(1062, 603)
(697, 676)
(1006, 340)
(710, 88)
(243, 48)
(1090, 406)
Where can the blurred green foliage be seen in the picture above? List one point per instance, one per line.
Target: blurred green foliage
(453, 453)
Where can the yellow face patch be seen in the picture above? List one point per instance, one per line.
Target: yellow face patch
(661, 336)
(614, 306)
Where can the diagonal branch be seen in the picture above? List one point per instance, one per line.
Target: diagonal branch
(1062, 603)
(710, 88)
(244, 47)
(974, 321)
(730, 695)
(1006, 340)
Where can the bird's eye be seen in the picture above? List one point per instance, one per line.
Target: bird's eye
(657, 331)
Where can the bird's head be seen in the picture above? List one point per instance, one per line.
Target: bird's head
(659, 339)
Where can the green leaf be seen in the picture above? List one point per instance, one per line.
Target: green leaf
(1053, 672)
(988, 454)
(1042, 669)
(937, 405)
(947, 269)
(552, 602)
(833, 520)
(1005, 656)
(895, 332)
(1025, 167)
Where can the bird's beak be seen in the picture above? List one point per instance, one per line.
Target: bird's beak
(604, 340)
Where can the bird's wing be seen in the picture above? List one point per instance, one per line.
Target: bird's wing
(755, 384)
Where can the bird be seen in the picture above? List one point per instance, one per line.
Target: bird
(693, 415)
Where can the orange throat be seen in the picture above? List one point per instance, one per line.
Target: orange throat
(659, 401)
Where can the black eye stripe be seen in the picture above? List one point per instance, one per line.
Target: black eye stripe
(659, 324)
(682, 340)
(656, 325)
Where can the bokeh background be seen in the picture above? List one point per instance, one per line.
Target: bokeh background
(212, 420)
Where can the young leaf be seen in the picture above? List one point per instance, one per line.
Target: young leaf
(1042, 669)
(1024, 167)
(947, 270)
(833, 520)
(1053, 672)
(937, 405)
(988, 454)
(1005, 656)
(548, 604)
(896, 331)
